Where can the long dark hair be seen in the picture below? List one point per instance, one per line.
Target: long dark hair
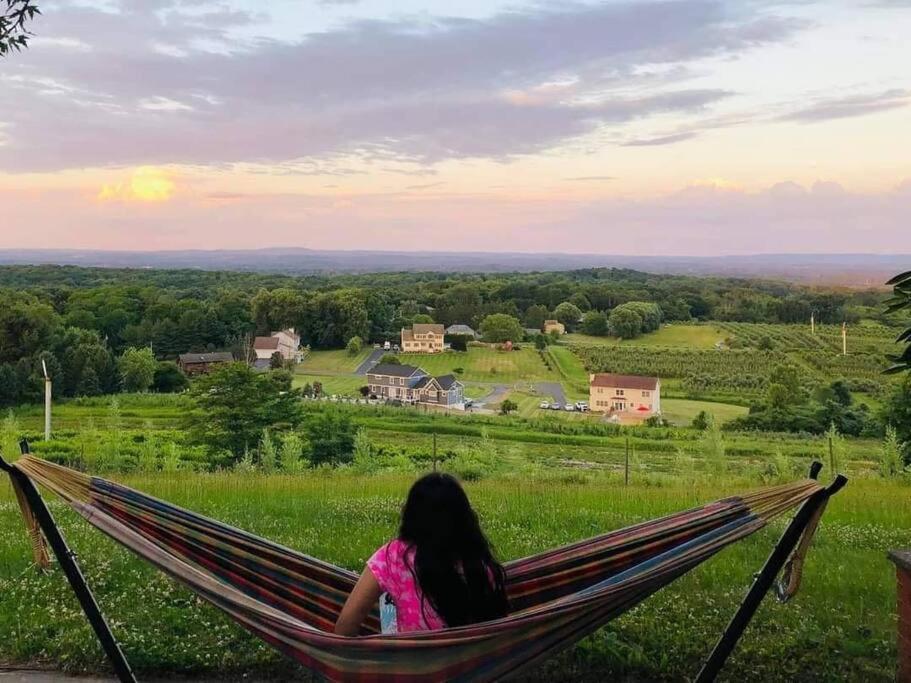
(453, 562)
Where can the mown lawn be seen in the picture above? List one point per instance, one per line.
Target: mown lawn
(676, 335)
(682, 411)
(337, 361)
(841, 626)
(342, 385)
(482, 364)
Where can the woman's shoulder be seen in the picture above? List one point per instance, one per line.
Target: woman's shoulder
(390, 553)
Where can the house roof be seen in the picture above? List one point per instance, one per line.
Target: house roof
(423, 382)
(459, 329)
(214, 357)
(607, 379)
(394, 370)
(447, 381)
(427, 328)
(551, 322)
(265, 343)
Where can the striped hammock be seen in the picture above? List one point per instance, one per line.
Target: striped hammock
(291, 600)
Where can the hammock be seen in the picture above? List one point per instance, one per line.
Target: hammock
(291, 600)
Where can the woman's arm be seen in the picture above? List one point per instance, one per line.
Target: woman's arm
(362, 599)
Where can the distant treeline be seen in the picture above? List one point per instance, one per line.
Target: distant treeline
(80, 319)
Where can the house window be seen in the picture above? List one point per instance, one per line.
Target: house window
(646, 394)
(619, 392)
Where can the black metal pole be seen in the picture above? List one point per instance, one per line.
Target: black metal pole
(67, 560)
(766, 577)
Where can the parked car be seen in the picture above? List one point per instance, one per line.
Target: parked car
(544, 405)
(581, 406)
(469, 402)
(395, 347)
(377, 346)
(387, 346)
(556, 406)
(569, 408)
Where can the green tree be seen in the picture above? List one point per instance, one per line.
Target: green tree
(268, 455)
(508, 406)
(568, 314)
(354, 345)
(291, 452)
(276, 361)
(595, 323)
(331, 437)
(234, 405)
(422, 318)
(835, 448)
(625, 323)
(897, 413)
(536, 315)
(701, 421)
(713, 446)
(168, 378)
(137, 369)
(499, 327)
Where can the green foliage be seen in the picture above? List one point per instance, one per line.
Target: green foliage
(535, 316)
(713, 447)
(569, 314)
(835, 448)
(291, 454)
(391, 359)
(268, 454)
(595, 323)
(330, 435)
(422, 318)
(701, 421)
(890, 455)
(14, 35)
(354, 345)
(508, 406)
(233, 406)
(625, 323)
(137, 369)
(897, 413)
(168, 378)
(901, 302)
(499, 328)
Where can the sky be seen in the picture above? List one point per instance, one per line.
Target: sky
(647, 127)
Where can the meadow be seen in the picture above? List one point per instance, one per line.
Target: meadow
(841, 625)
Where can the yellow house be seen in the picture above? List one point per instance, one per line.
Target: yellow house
(551, 325)
(423, 338)
(629, 394)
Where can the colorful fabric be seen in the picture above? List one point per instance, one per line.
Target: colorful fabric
(291, 600)
(391, 566)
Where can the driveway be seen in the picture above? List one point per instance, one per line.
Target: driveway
(497, 393)
(370, 361)
(555, 389)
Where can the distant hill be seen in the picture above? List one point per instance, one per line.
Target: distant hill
(852, 270)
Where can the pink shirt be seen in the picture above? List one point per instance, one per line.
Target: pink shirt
(391, 566)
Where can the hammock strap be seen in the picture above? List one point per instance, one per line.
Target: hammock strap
(39, 545)
(789, 583)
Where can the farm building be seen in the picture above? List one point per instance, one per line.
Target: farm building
(554, 325)
(628, 394)
(202, 363)
(411, 384)
(423, 338)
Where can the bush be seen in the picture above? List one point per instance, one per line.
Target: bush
(354, 345)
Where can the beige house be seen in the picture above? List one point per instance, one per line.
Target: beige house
(551, 325)
(285, 342)
(625, 394)
(423, 338)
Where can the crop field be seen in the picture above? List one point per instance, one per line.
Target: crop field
(672, 335)
(830, 631)
(482, 364)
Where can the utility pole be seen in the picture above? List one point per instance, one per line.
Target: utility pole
(813, 323)
(47, 402)
(844, 339)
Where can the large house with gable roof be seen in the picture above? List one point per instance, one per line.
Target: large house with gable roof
(411, 384)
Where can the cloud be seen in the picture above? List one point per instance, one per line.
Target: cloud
(662, 140)
(585, 178)
(165, 84)
(855, 105)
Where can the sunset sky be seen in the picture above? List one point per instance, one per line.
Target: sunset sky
(626, 127)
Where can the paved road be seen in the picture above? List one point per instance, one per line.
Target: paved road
(370, 361)
(555, 389)
(497, 393)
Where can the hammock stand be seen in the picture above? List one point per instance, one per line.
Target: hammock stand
(793, 542)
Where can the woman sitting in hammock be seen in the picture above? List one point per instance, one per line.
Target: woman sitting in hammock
(439, 572)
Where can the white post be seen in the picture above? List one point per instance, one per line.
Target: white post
(812, 323)
(844, 339)
(47, 408)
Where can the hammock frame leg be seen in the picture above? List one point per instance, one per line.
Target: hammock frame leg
(67, 560)
(766, 577)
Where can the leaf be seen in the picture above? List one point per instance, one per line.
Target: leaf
(901, 277)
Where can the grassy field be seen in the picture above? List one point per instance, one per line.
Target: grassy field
(840, 627)
(672, 335)
(682, 411)
(341, 385)
(482, 364)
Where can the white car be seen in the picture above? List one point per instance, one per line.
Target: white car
(569, 407)
(544, 405)
(581, 406)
